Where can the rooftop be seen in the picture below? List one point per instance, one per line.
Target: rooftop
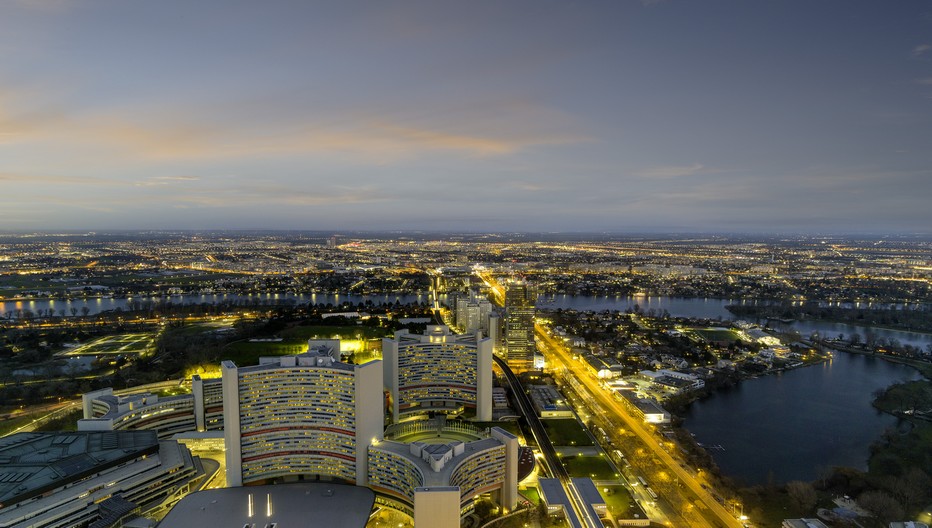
(33, 463)
(284, 506)
(323, 356)
(441, 477)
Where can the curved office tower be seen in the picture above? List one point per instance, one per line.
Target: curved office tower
(437, 483)
(305, 417)
(438, 372)
(201, 410)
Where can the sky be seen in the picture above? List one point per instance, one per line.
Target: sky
(808, 116)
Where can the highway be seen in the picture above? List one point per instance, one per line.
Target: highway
(557, 352)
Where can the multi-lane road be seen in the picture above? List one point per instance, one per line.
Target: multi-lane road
(713, 513)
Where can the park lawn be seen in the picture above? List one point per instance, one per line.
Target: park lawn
(11, 424)
(532, 495)
(619, 502)
(202, 328)
(715, 334)
(248, 353)
(67, 422)
(30, 282)
(906, 396)
(595, 467)
(897, 453)
(303, 333)
(120, 280)
(294, 341)
(567, 432)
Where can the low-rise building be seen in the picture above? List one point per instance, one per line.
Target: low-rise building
(646, 410)
(548, 402)
(80, 478)
(803, 523)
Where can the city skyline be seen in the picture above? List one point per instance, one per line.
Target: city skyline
(635, 116)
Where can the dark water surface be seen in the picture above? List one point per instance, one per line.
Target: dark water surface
(787, 426)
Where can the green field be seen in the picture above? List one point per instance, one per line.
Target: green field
(620, 503)
(567, 432)
(532, 495)
(127, 344)
(247, 353)
(9, 425)
(294, 341)
(303, 333)
(595, 467)
(714, 334)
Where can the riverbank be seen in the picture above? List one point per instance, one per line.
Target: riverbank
(906, 320)
(924, 367)
(897, 482)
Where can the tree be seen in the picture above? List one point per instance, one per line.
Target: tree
(483, 509)
(802, 496)
(912, 487)
(882, 505)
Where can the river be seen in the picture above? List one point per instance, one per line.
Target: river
(103, 304)
(715, 309)
(678, 307)
(783, 427)
(788, 426)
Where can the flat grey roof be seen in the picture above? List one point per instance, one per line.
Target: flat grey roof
(33, 463)
(300, 504)
(553, 492)
(587, 491)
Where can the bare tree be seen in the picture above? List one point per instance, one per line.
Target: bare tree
(802, 496)
(911, 487)
(882, 505)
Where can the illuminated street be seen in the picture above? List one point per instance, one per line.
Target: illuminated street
(556, 351)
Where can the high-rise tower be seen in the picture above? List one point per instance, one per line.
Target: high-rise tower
(307, 415)
(519, 324)
(438, 372)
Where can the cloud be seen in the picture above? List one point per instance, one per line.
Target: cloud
(165, 180)
(280, 195)
(29, 118)
(927, 81)
(921, 49)
(377, 142)
(45, 179)
(531, 186)
(671, 171)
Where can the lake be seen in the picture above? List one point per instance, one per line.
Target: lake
(785, 427)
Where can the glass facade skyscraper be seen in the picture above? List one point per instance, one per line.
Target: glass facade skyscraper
(520, 298)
